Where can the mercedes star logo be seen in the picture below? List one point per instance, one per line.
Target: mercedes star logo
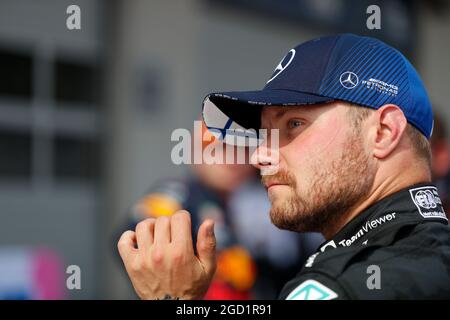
(284, 63)
(349, 80)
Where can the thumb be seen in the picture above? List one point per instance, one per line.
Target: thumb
(206, 246)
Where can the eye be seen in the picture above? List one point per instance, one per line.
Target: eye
(294, 123)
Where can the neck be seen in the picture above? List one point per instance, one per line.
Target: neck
(386, 187)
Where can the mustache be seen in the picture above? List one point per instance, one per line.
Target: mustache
(281, 177)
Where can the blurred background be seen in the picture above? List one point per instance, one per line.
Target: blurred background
(86, 115)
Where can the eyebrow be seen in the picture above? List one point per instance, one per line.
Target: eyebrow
(281, 113)
(278, 115)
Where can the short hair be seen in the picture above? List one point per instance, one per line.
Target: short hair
(420, 144)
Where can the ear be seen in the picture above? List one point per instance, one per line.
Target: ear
(391, 124)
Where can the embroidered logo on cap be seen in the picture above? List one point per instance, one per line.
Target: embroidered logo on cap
(349, 80)
(284, 63)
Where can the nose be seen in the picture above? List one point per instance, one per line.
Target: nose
(266, 159)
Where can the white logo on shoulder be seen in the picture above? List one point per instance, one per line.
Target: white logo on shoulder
(428, 202)
(329, 244)
(425, 199)
(312, 290)
(284, 63)
(310, 261)
(349, 80)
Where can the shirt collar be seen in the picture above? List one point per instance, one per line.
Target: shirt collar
(416, 203)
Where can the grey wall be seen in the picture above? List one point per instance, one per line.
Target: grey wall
(42, 211)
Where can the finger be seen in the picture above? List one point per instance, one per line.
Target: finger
(206, 246)
(144, 234)
(126, 245)
(162, 230)
(180, 229)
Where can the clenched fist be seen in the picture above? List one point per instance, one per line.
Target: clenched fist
(159, 257)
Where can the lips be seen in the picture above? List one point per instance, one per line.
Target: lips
(268, 185)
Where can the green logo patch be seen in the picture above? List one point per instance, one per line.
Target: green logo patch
(312, 290)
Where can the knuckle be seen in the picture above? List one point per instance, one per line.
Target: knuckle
(122, 243)
(136, 266)
(139, 227)
(157, 256)
(182, 214)
(181, 217)
(162, 220)
(165, 219)
(144, 225)
(178, 255)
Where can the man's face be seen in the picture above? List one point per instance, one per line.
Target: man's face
(323, 167)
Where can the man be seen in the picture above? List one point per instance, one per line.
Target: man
(353, 162)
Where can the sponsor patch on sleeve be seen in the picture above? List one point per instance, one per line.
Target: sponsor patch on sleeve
(428, 202)
(312, 290)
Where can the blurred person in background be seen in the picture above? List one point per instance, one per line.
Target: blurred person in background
(254, 258)
(440, 164)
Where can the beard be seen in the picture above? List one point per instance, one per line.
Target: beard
(338, 186)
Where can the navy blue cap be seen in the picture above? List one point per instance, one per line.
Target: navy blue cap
(361, 70)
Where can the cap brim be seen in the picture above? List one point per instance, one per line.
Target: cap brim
(241, 110)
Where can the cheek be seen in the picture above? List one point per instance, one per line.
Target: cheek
(316, 145)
